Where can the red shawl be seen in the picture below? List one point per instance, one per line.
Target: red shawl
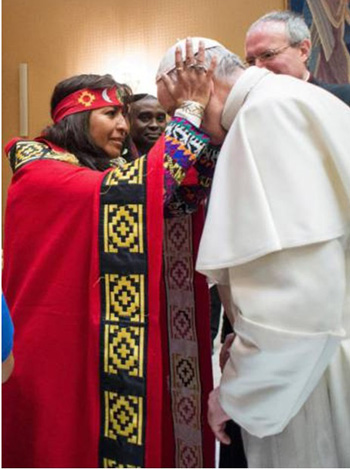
(83, 280)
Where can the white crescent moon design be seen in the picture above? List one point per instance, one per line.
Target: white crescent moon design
(105, 96)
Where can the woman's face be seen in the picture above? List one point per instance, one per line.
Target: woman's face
(108, 129)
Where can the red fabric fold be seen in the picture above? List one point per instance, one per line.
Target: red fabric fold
(155, 376)
(51, 281)
(51, 404)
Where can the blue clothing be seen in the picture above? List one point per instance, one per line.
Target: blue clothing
(7, 330)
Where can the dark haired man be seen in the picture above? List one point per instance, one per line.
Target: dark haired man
(147, 122)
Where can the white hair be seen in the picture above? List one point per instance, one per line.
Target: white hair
(227, 61)
(296, 28)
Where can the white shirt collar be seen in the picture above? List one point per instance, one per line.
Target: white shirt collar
(239, 93)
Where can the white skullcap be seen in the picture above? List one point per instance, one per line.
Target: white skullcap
(167, 63)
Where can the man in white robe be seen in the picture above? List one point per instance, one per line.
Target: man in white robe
(276, 240)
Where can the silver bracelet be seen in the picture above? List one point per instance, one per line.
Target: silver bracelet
(191, 111)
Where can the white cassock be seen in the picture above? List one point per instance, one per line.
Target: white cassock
(276, 238)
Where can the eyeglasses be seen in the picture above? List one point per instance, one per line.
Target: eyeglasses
(266, 56)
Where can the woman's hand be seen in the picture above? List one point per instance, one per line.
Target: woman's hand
(194, 82)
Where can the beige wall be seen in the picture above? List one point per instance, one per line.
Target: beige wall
(60, 38)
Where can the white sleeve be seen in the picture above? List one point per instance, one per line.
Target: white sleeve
(292, 305)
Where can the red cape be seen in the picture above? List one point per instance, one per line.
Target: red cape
(62, 408)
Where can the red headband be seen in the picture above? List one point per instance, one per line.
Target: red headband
(85, 100)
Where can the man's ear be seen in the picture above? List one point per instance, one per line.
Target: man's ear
(305, 49)
(221, 87)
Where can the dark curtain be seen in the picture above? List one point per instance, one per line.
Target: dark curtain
(329, 24)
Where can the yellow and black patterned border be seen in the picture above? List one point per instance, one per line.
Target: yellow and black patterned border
(123, 342)
(24, 152)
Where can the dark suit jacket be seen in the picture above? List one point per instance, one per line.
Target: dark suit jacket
(342, 91)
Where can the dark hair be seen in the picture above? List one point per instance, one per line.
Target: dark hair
(140, 96)
(72, 132)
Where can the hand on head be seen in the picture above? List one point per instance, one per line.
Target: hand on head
(193, 82)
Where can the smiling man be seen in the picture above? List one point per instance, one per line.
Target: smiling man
(147, 122)
(281, 42)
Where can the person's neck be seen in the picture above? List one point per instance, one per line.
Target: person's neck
(306, 75)
(143, 148)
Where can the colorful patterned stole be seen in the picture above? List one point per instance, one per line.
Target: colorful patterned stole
(185, 383)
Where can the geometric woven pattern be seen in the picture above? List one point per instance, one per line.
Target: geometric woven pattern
(113, 463)
(186, 410)
(124, 305)
(124, 350)
(123, 417)
(185, 368)
(181, 274)
(24, 152)
(29, 151)
(125, 297)
(130, 173)
(183, 150)
(124, 228)
(190, 455)
(178, 236)
(109, 463)
(184, 361)
(124, 325)
(174, 169)
(182, 145)
(182, 322)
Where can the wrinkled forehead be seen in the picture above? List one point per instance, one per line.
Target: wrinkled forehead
(267, 29)
(167, 63)
(268, 35)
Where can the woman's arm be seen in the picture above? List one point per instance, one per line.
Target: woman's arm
(195, 188)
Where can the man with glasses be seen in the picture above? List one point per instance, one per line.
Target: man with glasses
(281, 42)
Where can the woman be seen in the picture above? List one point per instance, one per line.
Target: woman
(101, 379)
